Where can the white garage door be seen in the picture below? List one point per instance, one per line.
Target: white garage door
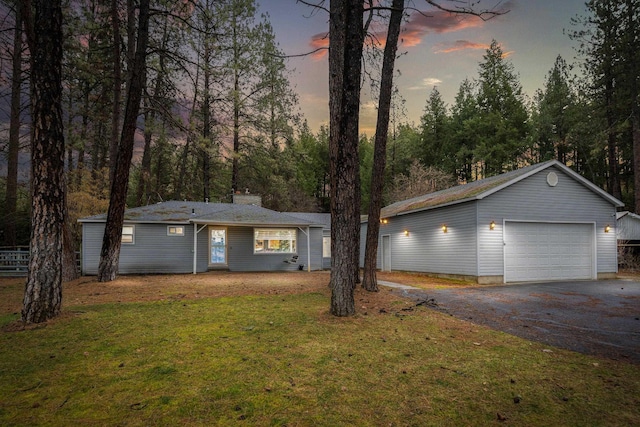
(548, 251)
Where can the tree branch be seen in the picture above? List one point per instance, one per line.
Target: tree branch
(484, 14)
(315, 6)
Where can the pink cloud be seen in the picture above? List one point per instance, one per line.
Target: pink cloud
(421, 24)
(319, 45)
(459, 45)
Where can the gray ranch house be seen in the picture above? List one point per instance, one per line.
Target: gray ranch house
(538, 223)
(195, 237)
(325, 220)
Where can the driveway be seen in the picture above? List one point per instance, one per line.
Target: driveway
(593, 317)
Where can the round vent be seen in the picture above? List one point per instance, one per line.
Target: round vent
(552, 179)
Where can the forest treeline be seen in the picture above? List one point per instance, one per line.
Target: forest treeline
(218, 113)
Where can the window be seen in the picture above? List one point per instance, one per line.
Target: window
(127, 234)
(326, 247)
(175, 230)
(275, 241)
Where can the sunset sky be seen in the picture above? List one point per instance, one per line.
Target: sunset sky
(441, 50)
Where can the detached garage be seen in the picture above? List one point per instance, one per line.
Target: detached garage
(542, 222)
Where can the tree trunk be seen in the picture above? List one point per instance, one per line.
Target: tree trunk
(369, 281)
(110, 254)
(345, 54)
(635, 129)
(634, 62)
(69, 262)
(184, 157)
(11, 196)
(145, 165)
(612, 152)
(236, 108)
(236, 132)
(43, 290)
(206, 123)
(117, 86)
(150, 123)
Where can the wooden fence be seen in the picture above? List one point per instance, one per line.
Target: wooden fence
(14, 262)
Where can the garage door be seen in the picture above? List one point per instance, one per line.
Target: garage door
(548, 251)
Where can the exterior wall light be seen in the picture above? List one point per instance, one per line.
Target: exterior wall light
(492, 225)
(406, 232)
(383, 220)
(607, 228)
(444, 228)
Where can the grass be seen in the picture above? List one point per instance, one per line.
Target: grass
(281, 360)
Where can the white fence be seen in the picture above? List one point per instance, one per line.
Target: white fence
(14, 262)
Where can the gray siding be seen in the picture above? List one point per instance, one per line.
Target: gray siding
(152, 250)
(242, 258)
(627, 228)
(532, 199)
(155, 252)
(427, 248)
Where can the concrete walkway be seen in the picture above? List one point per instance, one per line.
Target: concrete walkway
(592, 317)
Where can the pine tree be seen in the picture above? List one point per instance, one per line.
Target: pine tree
(43, 290)
(554, 115)
(465, 119)
(503, 127)
(345, 55)
(435, 134)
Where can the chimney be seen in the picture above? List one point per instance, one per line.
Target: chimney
(247, 199)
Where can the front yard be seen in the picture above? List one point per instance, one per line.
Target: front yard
(247, 349)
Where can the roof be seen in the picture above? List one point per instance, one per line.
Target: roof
(207, 213)
(627, 226)
(627, 213)
(315, 217)
(480, 189)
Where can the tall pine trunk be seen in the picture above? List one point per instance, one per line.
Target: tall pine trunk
(345, 54)
(235, 172)
(634, 66)
(145, 166)
(117, 86)
(43, 290)
(110, 254)
(11, 196)
(369, 280)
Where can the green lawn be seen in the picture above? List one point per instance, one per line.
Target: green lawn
(283, 360)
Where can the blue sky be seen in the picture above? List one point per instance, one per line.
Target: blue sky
(440, 51)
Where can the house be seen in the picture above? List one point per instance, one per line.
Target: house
(194, 237)
(628, 227)
(538, 223)
(325, 220)
(628, 232)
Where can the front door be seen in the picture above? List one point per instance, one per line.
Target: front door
(217, 247)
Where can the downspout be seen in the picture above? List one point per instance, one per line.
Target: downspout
(477, 243)
(308, 250)
(308, 233)
(195, 244)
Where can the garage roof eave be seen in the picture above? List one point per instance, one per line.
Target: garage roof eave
(478, 190)
(591, 186)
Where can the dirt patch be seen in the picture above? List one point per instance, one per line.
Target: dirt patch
(144, 288)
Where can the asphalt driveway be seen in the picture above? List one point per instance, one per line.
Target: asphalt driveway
(593, 317)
